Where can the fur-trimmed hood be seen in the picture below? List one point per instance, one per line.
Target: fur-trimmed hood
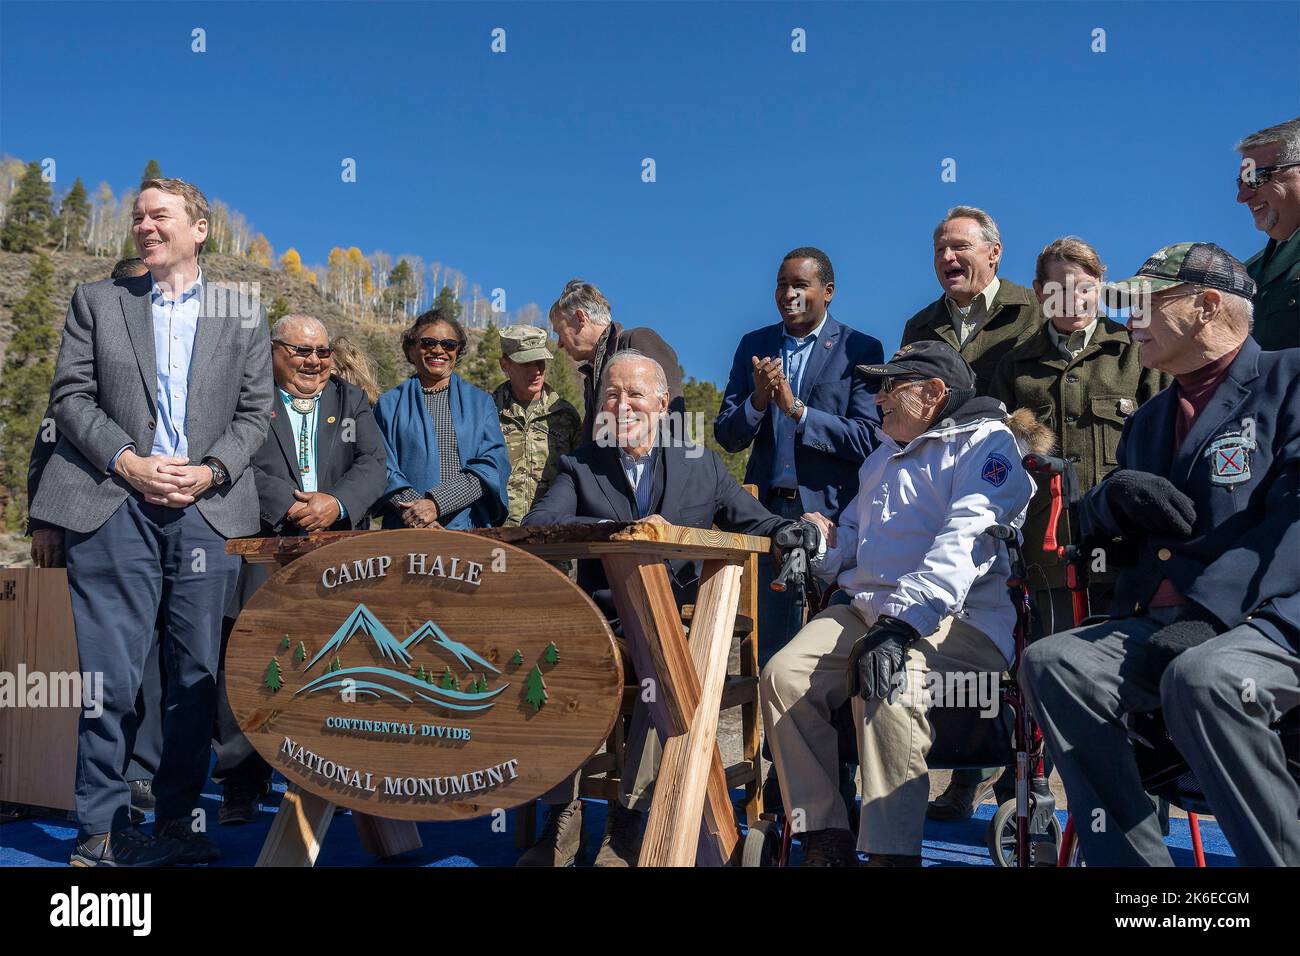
(1032, 436)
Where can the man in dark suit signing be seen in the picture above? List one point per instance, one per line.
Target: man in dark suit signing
(161, 395)
(643, 478)
(321, 468)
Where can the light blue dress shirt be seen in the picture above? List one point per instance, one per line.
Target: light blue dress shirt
(309, 480)
(640, 479)
(795, 354)
(295, 426)
(175, 322)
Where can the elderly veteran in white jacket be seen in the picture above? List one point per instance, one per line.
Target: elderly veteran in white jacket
(923, 591)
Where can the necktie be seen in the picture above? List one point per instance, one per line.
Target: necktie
(304, 444)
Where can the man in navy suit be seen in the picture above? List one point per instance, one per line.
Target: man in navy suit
(1206, 499)
(793, 396)
(645, 478)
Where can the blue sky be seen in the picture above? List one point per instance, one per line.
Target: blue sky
(523, 169)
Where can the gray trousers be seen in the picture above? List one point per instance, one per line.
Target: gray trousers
(1219, 700)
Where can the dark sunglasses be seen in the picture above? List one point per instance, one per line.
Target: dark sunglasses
(889, 382)
(305, 351)
(1261, 175)
(448, 345)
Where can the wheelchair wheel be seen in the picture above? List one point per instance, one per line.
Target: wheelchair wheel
(1001, 839)
(762, 844)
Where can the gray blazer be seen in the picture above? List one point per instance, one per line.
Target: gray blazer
(103, 398)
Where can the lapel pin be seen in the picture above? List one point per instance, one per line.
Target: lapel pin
(828, 344)
(330, 420)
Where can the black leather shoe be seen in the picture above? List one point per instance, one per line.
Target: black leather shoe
(127, 847)
(829, 847)
(192, 847)
(239, 802)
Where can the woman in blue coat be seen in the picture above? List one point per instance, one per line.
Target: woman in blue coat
(447, 463)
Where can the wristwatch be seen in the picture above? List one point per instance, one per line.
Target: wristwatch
(796, 410)
(219, 475)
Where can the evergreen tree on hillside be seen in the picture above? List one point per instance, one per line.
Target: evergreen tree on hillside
(702, 402)
(25, 387)
(74, 214)
(562, 376)
(27, 215)
(387, 370)
(401, 289)
(446, 301)
(151, 171)
(484, 369)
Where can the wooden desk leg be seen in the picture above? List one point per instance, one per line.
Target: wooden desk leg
(298, 830)
(653, 628)
(674, 834)
(383, 838)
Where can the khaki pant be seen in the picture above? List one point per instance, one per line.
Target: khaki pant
(803, 685)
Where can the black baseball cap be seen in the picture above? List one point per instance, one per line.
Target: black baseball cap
(1199, 263)
(928, 359)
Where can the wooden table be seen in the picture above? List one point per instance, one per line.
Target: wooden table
(691, 816)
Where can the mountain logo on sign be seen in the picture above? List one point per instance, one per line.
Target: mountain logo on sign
(377, 681)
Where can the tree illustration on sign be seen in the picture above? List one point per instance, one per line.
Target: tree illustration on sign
(536, 688)
(518, 658)
(420, 675)
(552, 654)
(284, 643)
(447, 679)
(300, 653)
(272, 679)
(336, 665)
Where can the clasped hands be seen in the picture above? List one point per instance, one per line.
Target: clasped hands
(770, 385)
(166, 480)
(421, 513)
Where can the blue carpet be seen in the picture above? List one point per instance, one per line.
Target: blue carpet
(49, 842)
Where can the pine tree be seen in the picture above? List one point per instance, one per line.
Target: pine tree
(151, 171)
(484, 369)
(552, 654)
(300, 654)
(387, 373)
(447, 679)
(420, 675)
(279, 308)
(518, 657)
(25, 384)
(74, 213)
(447, 303)
(284, 642)
(27, 214)
(562, 375)
(272, 679)
(337, 664)
(535, 688)
(702, 402)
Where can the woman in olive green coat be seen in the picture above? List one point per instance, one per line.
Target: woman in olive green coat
(1081, 374)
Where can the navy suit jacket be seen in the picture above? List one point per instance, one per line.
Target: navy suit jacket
(839, 429)
(1240, 560)
(691, 487)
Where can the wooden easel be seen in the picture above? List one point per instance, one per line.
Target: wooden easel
(691, 816)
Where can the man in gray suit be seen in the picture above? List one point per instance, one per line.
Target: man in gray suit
(162, 394)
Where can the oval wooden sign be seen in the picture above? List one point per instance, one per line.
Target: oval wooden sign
(423, 675)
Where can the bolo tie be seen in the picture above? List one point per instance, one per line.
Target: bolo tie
(304, 407)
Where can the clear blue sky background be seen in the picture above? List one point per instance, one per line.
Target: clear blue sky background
(524, 169)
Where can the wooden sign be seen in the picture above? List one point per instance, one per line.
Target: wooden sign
(423, 675)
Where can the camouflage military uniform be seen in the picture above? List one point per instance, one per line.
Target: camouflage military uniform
(536, 436)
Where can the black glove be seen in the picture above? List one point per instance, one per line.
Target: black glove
(877, 656)
(1194, 626)
(797, 534)
(1149, 504)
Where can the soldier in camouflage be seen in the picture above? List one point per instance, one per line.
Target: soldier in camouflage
(538, 425)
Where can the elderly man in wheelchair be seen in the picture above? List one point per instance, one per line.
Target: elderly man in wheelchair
(1203, 512)
(923, 593)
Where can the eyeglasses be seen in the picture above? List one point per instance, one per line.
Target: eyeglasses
(890, 382)
(305, 351)
(448, 345)
(1261, 175)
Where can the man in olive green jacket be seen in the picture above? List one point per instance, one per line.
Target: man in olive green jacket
(538, 425)
(979, 315)
(1085, 400)
(1269, 185)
